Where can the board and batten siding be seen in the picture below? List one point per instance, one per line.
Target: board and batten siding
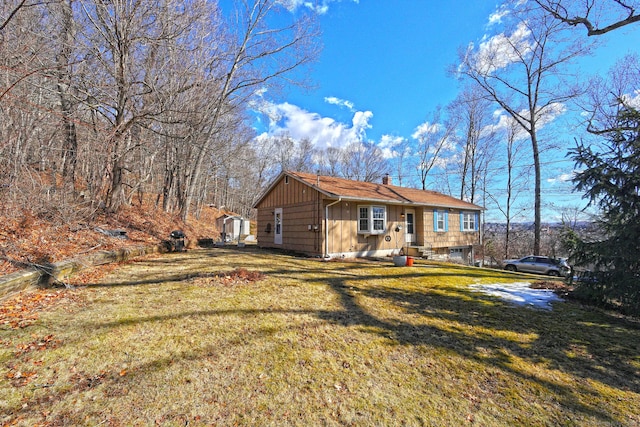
(301, 209)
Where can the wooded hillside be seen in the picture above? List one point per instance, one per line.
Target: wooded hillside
(30, 237)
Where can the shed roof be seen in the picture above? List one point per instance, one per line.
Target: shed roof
(346, 189)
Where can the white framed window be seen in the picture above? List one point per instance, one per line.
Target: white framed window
(372, 219)
(378, 213)
(363, 219)
(440, 220)
(468, 221)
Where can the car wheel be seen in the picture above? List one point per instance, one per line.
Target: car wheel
(554, 273)
(510, 267)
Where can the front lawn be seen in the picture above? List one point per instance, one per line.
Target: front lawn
(245, 337)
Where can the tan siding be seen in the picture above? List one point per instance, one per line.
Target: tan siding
(420, 226)
(288, 194)
(446, 239)
(343, 235)
(301, 207)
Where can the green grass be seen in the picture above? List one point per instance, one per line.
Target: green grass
(171, 341)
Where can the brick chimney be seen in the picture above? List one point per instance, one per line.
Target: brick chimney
(386, 180)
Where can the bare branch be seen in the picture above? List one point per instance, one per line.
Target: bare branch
(586, 14)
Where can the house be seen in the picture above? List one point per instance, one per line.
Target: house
(333, 217)
(232, 226)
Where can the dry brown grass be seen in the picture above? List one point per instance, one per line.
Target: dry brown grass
(245, 337)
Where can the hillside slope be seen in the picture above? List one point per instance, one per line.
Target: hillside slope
(28, 237)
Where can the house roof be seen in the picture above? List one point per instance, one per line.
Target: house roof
(346, 189)
(230, 215)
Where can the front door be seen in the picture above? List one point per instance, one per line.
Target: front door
(277, 222)
(410, 226)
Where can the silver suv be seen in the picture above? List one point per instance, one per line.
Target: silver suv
(538, 265)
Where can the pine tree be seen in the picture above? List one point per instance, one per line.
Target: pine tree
(611, 181)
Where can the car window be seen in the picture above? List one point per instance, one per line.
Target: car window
(528, 259)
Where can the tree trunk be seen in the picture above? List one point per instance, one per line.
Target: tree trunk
(537, 202)
(63, 59)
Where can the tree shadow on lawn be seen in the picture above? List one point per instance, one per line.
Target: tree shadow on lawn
(608, 364)
(120, 382)
(165, 268)
(607, 343)
(590, 345)
(558, 333)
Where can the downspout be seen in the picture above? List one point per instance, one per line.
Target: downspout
(481, 218)
(326, 226)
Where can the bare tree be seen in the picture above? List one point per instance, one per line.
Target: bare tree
(330, 161)
(610, 94)
(596, 16)
(363, 162)
(403, 152)
(128, 43)
(472, 112)
(433, 139)
(63, 21)
(516, 178)
(124, 97)
(293, 155)
(255, 55)
(523, 72)
(28, 137)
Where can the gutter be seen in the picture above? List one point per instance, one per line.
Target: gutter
(326, 226)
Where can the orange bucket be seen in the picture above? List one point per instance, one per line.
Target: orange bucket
(409, 261)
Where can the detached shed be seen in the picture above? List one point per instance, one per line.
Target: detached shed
(233, 226)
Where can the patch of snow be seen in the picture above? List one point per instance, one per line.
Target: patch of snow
(520, 293)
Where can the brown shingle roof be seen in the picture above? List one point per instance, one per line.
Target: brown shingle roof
(369, 191)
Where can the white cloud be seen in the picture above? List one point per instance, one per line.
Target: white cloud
(504, 121)
(426, 128)
(260, 91)
(339, 102)
(504, 10)
(564, 177)
(389, 145)
(633, 100)
(319, 7)
(496, 17)
(550, 113)
(323, 132)
(499, 51)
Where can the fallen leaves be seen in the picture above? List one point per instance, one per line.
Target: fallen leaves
(20, 375)
(19, 378)
(83, 381)
(44, 343)
(22, 310)
(37, 238)
(239, 276)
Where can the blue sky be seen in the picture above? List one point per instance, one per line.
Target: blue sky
(383, 70)
(390, 58)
